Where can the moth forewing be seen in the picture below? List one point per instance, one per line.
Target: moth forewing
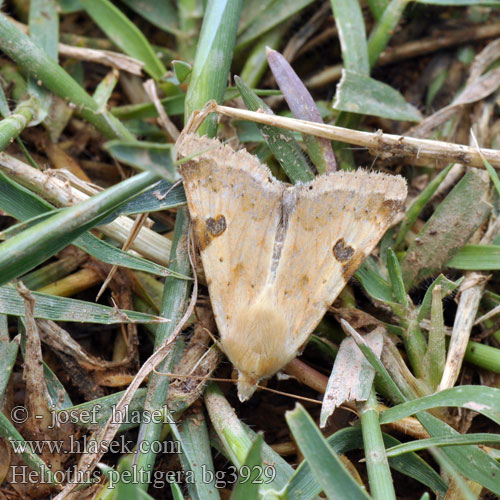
(276, 256)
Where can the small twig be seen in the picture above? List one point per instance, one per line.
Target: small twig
(384, 145)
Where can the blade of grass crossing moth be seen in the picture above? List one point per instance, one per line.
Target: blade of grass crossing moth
(247, 486)
(196, 457)
(418, 205)
(327, 467)
(281, 142)
(213, 59)
(379, 474)
(34, 61)
(303, 107)
(174, 302)
(124, 34)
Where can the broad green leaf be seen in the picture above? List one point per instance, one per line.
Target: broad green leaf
(357, 93)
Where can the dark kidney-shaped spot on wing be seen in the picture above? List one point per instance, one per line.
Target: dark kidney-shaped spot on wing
(209, 229)
(216, 226)
(342, 251)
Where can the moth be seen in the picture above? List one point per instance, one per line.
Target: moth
(276, 255)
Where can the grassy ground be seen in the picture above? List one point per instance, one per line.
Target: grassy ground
(395, 394)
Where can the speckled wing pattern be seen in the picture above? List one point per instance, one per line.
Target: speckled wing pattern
(276, 256)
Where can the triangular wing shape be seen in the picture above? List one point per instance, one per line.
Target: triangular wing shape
(276, 256)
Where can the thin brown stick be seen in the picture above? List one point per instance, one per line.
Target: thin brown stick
(379, 144)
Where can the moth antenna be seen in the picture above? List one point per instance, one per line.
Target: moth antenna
(230, 380)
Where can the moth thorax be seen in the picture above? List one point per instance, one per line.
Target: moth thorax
(257, 347)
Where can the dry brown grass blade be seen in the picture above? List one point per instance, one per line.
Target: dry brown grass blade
(378, 143)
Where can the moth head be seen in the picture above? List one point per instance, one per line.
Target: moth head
(258, 356)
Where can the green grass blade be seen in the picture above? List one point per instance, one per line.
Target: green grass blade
(483, 399)
(174, 302)
(384, 29)
(124, 34)
(39, 242)
(247, 487)
(418, 205)
(477, 258)
(66, 309)
(35, 62)
(213, 59)
(281, 142)
(161, 14)
(327, 467)
(379, 474)
(148, 156)
(398, 287)
(469, 460)
(272, 16)
(196, 457)
(352, 35)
